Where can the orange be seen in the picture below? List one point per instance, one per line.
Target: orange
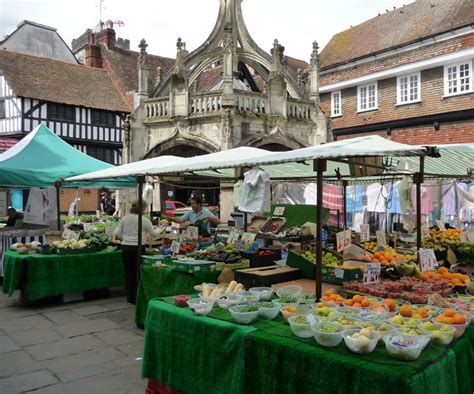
(449, 313)
(365, 303)
(405, 311)
(459, 319)
(356, 305)
(424, 276)
(390, 303)
(290, 309)
(423, 312)
(357, 298)
(328, 293)
(349, 302)
(442, 270)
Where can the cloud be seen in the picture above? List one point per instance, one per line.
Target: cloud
(296, 24)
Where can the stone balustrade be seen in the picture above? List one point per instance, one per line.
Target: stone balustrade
(206, 104)
(251, 102)
(158, 108)
(298, 109)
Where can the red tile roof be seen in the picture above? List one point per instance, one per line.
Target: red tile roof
(407, 24)
(57, 81)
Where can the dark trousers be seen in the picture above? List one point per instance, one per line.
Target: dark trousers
(129, 258)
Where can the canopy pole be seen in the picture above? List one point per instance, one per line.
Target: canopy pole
(419, 179)
(140, 182)
(57, 185)
(344, 202)
(319, 168)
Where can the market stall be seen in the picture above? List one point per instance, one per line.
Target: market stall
(267, 357)
(47, 275)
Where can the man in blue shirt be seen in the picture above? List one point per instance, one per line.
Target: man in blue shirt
(199, 216)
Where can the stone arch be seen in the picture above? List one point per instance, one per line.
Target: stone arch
(180, 147)
(275, 144)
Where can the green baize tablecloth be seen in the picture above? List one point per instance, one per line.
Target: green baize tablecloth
(41, 276)
(164, 282)
(194, 354)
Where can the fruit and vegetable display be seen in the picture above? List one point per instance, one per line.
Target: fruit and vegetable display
(219, 253)
(331, 296)
(453, 279)
(273, 225)
(447, 238)
(96, 238)
(28, 248)
(389, 256)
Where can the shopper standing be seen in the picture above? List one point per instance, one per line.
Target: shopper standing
(127, 231)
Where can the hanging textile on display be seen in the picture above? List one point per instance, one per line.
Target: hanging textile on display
(255, 192)
(404, 191)
(41, 206)
(376, 198)
(147, 194)
(237, 193)
(448, 193)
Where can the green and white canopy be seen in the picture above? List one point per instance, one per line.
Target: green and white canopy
(42, 158)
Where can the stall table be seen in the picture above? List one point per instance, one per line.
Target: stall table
(164, 282)
(39, 276)
(194, 354)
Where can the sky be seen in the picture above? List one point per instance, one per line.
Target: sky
(296, 23)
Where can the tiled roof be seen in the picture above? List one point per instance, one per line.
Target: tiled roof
(404, 25)
(57, 81)
(124, 66)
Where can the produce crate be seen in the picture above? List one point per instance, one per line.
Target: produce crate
(339, 276)
(192, 267)
(67, 251)
(157, 259)
(266, 276)
(256, 223)
(277, 222)
(262, 261)
(307, 267)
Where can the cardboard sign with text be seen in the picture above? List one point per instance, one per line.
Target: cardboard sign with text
(193, 233)
(70, 235)
(372, 273)
(381, 240)
(175, 246)
(343, 239)
(428, 261)
(279, 211)
(364, 233)
(440, 225)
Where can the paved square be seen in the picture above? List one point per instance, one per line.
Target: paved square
(81, 347)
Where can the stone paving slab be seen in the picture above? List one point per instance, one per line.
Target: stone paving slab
(86, 327)
(18, 362)
(35, 336)
(14, 312)
(24, 323)
(132, 349)
(90, 310)
(7, 345)
(118, 337)
(81, 360)
(26, 382)
(64, 317)
(64, 347)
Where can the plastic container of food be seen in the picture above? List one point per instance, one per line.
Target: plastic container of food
(460, 328)
(301, 325)
(263, 293)
(268, 310)
(248, 297)
(365, 345)
(287, 301)
(201, 306)
(226, 301)
(292, 290)
(244, 314)
(414, 331)
(347, 322)
(368, 315)
(327, 334)
(441, 334)
(289, 310)
(383, 328)
(307, 298)
(348, 311)
(405, 347)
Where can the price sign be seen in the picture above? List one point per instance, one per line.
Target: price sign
(467, 236)
(97, 214)
(233, 237)
(89, 227)
(175, 246)
(193, 233)
(364, 232)
(339, 273)
(311, 319)
(425, 232)
(248, 238)
(344, 239)
(279, 211)
(176, 225)
(371, 273)
(183, 236)
(440, 225)
(428, 260)
(239, 246)
(381, 240)
(110, 231)
(70, 235)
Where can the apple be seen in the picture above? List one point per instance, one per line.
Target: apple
(397, 319)
(383, 327)
(445, 329)
(412, 322)
(428, 326)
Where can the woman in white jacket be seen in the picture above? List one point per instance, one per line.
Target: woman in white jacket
(127, 231)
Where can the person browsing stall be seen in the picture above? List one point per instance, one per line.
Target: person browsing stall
(127, 231)
(199, 216)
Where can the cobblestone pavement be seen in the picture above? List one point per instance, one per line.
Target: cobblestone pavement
(81, 347)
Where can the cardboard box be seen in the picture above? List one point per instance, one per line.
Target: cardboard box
(339, 276)
(266, 276)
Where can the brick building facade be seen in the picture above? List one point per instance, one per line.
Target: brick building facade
(405, 75)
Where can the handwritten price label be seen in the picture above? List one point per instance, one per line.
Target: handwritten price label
(364, 232)
(343, 239)
(70, 235)
(371, 273)
(193, 233)
(428, 261)
(440, 225)
(175, 246)
(381, 240)
(279, 211)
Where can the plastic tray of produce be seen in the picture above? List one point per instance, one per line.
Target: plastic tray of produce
(194, 266)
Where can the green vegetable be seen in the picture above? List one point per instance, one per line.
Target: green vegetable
(300, 320)
(249, 308)
(265, 305)
(288, 300)
(307, 296)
